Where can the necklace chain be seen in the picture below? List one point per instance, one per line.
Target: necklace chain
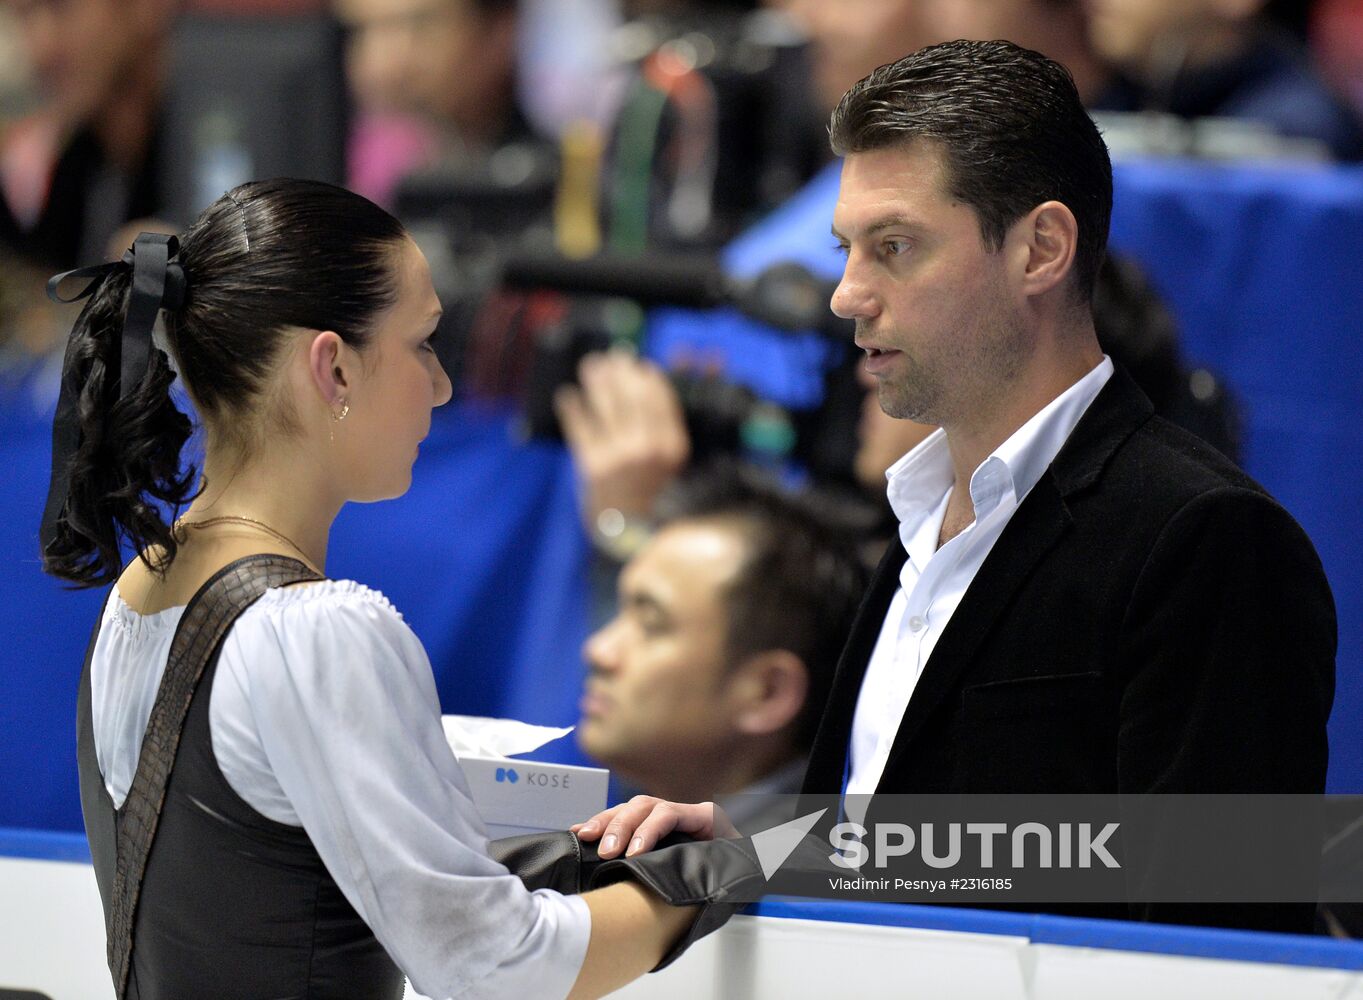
(208, 522)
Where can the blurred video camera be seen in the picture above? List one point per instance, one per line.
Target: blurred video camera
(723, 417)
(707, 137)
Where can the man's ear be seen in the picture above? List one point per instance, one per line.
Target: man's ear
(1046, 241)
(770, 689)
(328, 365)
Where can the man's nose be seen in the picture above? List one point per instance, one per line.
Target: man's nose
(600, 651)
(851, 299)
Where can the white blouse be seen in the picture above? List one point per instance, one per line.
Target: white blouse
(325, 715)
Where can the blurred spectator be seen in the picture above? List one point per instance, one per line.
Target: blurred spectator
(1222, 58)
(1137, 330)
(710, 680)
(1336, 35)
(15, 84)
(85, 163)
(849, 38)
(1055, 28)
(434, 81)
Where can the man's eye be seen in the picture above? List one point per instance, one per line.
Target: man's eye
(842, 248)
(893, 248)
(652, 624)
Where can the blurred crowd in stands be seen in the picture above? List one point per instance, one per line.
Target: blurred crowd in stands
(576, 127)
(443, 83)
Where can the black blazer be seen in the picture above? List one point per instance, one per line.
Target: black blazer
(1150, 620)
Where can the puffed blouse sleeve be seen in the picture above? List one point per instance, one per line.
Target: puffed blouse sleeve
(345, 708)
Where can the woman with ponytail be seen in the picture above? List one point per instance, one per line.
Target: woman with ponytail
(272, 808)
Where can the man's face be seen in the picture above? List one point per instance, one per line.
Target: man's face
(80, 50)
(849, 38)
(656, 691)
(933, 305)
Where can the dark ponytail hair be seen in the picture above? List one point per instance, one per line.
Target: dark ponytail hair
(264, 258)
(129, 448)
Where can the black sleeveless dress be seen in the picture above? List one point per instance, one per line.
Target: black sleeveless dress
(232, 904)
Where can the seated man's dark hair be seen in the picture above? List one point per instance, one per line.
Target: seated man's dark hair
(801, 581)
(1010, 126)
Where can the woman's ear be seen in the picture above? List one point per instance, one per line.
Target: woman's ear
(328, 365)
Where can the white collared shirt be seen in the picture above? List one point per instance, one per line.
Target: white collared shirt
(934, 580)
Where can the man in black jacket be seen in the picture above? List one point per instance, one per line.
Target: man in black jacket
(1082, 598)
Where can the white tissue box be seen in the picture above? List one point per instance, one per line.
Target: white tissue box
(514, 795)
(517, 796)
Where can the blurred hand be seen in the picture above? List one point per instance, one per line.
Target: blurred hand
(644, 820)
(625, 429)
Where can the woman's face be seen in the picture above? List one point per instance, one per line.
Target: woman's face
(399, 381)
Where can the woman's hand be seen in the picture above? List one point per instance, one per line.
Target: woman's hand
(644, 820)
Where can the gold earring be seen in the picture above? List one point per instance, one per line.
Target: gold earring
(336, 418)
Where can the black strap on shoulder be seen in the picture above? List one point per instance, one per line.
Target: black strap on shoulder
(206, 620)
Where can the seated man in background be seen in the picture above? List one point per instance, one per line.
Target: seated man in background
(711, 678)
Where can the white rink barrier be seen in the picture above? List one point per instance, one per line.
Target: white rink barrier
(52, 942)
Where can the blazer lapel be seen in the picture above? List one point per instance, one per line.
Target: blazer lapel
(829, 753)
(1036, 526)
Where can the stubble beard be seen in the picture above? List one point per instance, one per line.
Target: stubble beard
(937, 392)
(909, 394)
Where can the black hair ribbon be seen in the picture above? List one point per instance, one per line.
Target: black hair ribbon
(158, 283)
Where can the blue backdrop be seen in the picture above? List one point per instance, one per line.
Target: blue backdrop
(486, 560)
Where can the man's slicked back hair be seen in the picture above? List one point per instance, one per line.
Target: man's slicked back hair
(1010, 126)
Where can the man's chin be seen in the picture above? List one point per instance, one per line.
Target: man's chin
(895, 402)
(591, 741)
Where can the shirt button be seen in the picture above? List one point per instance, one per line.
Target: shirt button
(916, 624)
